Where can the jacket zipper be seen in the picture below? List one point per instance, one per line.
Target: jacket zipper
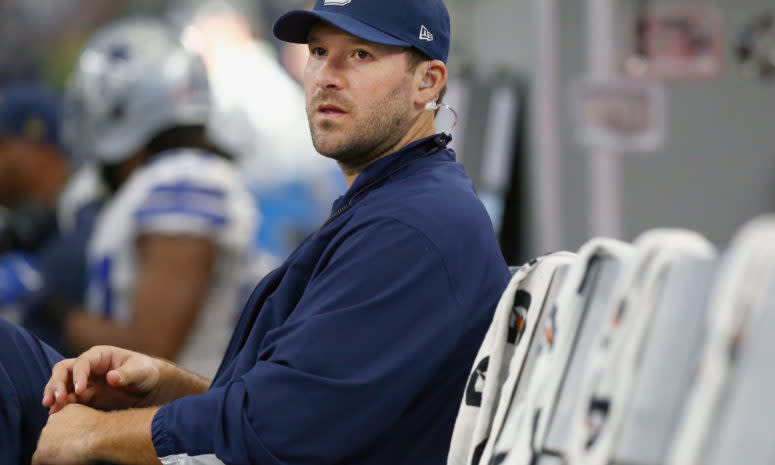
(441, 141)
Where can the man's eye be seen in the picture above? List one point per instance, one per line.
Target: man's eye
(362, 54)
(317, 51)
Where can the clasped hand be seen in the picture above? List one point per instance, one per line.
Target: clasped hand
(108, 378)
(105, 378)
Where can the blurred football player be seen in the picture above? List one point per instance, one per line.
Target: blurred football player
(165, 262)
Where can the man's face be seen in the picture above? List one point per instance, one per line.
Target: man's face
(359, 96)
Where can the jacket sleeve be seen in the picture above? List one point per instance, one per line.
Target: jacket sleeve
(370, 331)
(25, 366)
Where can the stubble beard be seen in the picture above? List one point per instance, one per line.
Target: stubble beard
(370, 137)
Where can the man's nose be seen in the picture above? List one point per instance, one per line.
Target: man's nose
(330, 75)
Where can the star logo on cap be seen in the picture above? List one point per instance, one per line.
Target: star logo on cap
(425, 34)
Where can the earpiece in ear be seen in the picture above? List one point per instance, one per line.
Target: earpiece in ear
(431, 104)
(427, 82)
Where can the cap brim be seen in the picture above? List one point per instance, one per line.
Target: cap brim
(294, 27)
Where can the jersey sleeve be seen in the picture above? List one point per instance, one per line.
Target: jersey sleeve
(188, 206)
(366, 337)
(193, 195)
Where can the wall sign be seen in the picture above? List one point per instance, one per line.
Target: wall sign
(676, 42)
(619, 115)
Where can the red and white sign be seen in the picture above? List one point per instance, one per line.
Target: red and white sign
(677, 42)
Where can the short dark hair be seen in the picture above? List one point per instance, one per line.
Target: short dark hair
(413, 59)
(193, 136)
(188, 136)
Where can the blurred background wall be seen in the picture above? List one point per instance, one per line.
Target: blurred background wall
(715, 168)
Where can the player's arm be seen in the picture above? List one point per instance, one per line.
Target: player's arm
(175, 273)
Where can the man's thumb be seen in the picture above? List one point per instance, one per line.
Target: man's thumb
(133, 373)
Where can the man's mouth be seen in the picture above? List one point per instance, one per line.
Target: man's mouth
(329, 110)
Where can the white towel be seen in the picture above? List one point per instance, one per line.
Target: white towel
(499, 360)
(737, 301)
(528, 418)
(609, 374)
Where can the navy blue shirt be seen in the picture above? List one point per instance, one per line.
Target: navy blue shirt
(357, 349)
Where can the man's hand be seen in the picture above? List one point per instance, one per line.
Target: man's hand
(110, 378)
(106, 378)
(66, 438)
(81, 435)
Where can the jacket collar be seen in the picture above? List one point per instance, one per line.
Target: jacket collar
(385, 165)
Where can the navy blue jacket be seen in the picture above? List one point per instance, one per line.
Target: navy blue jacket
(25, 366)
(356, 350)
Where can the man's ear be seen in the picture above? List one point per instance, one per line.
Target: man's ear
(432, 80)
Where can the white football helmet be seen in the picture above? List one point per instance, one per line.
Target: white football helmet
(133, 80)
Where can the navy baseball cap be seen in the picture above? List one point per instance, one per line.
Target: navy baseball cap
(422, 24)
(29, 112)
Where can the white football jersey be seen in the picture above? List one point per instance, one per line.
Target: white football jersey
(179, 193)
